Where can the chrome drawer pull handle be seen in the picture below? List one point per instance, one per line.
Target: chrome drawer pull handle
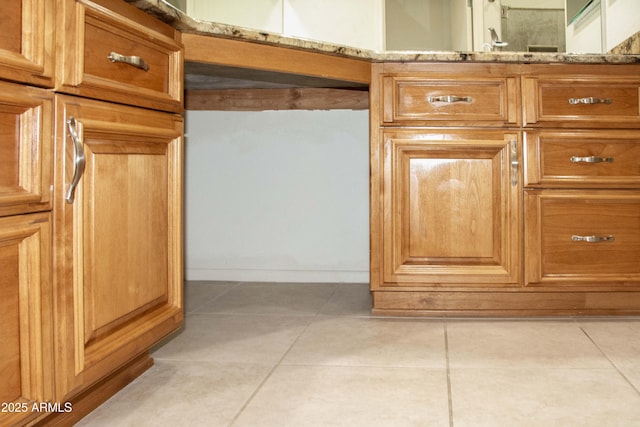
(593, 239)
(134, 61)
(590, 100)
(450, 99)
(76, 133)
(591, 159)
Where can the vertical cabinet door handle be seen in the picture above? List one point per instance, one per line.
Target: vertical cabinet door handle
(76, 133)
(514, 163)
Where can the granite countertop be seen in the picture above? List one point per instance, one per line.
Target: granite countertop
(179, 20)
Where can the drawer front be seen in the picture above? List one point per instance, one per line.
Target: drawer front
(439, 100)
(582, 237)
(26, 147)
(116, 58)
(594, 101)
(582, 159)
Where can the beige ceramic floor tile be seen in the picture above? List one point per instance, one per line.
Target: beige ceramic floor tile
(181, 394)
(271, 298)
(227, 338)
(633, 375)
(197, 293)
(353, 341)
(543, 397)
(521, 343)
(618, 339)
(309, 396)
(349, 300)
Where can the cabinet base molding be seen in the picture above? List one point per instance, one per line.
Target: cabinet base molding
(95, 396)
(505, 304)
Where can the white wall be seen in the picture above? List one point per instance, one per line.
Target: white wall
(356, 23)
(623, 21)
(610, 23)
(277, 196)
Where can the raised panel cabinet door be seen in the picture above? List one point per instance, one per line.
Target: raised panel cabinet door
(26, 149)
(26, 355)
(118, 239)
(27, 41)
(450, 208)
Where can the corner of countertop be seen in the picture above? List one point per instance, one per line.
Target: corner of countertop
(630, 46)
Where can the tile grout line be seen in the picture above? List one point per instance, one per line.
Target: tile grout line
(446, 353)
(610, 361)
(276, 365)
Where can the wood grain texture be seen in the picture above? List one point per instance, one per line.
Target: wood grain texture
(242, 54)
(277, 99)
(118, 264)
(28, 41)
(94, 29)
(26, 154)
(26, 354)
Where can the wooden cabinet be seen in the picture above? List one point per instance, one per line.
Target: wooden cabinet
(26, 354)
(26, 149)
(27, 43)
(445, 183)
(26, 163)
(505, 189)
(582, 169)
(118, 236)
(91, 212)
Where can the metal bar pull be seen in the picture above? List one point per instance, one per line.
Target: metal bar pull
(590, 100)
(134, 61)
(450, 99)
(514, 163)
(591, 159)
(593, 239)
(76, 132)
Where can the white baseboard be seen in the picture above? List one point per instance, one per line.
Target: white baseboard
(302, 276)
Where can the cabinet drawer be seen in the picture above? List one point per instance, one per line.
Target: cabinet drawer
(582, 159)
(120, 57)
(26, 149)
(441, 100)
(582, 237)
(590, 101)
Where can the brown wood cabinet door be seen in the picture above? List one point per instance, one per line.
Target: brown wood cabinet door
(450, 207)
(26, 145)
(118, 281)
(27, 41)
(26, 357)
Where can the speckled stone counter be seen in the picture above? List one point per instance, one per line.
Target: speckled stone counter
(179, 20)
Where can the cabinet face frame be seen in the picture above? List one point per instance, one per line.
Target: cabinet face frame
(479, 153)
(28, 148)
(30, 57)
(27, 316)
(98, 331)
